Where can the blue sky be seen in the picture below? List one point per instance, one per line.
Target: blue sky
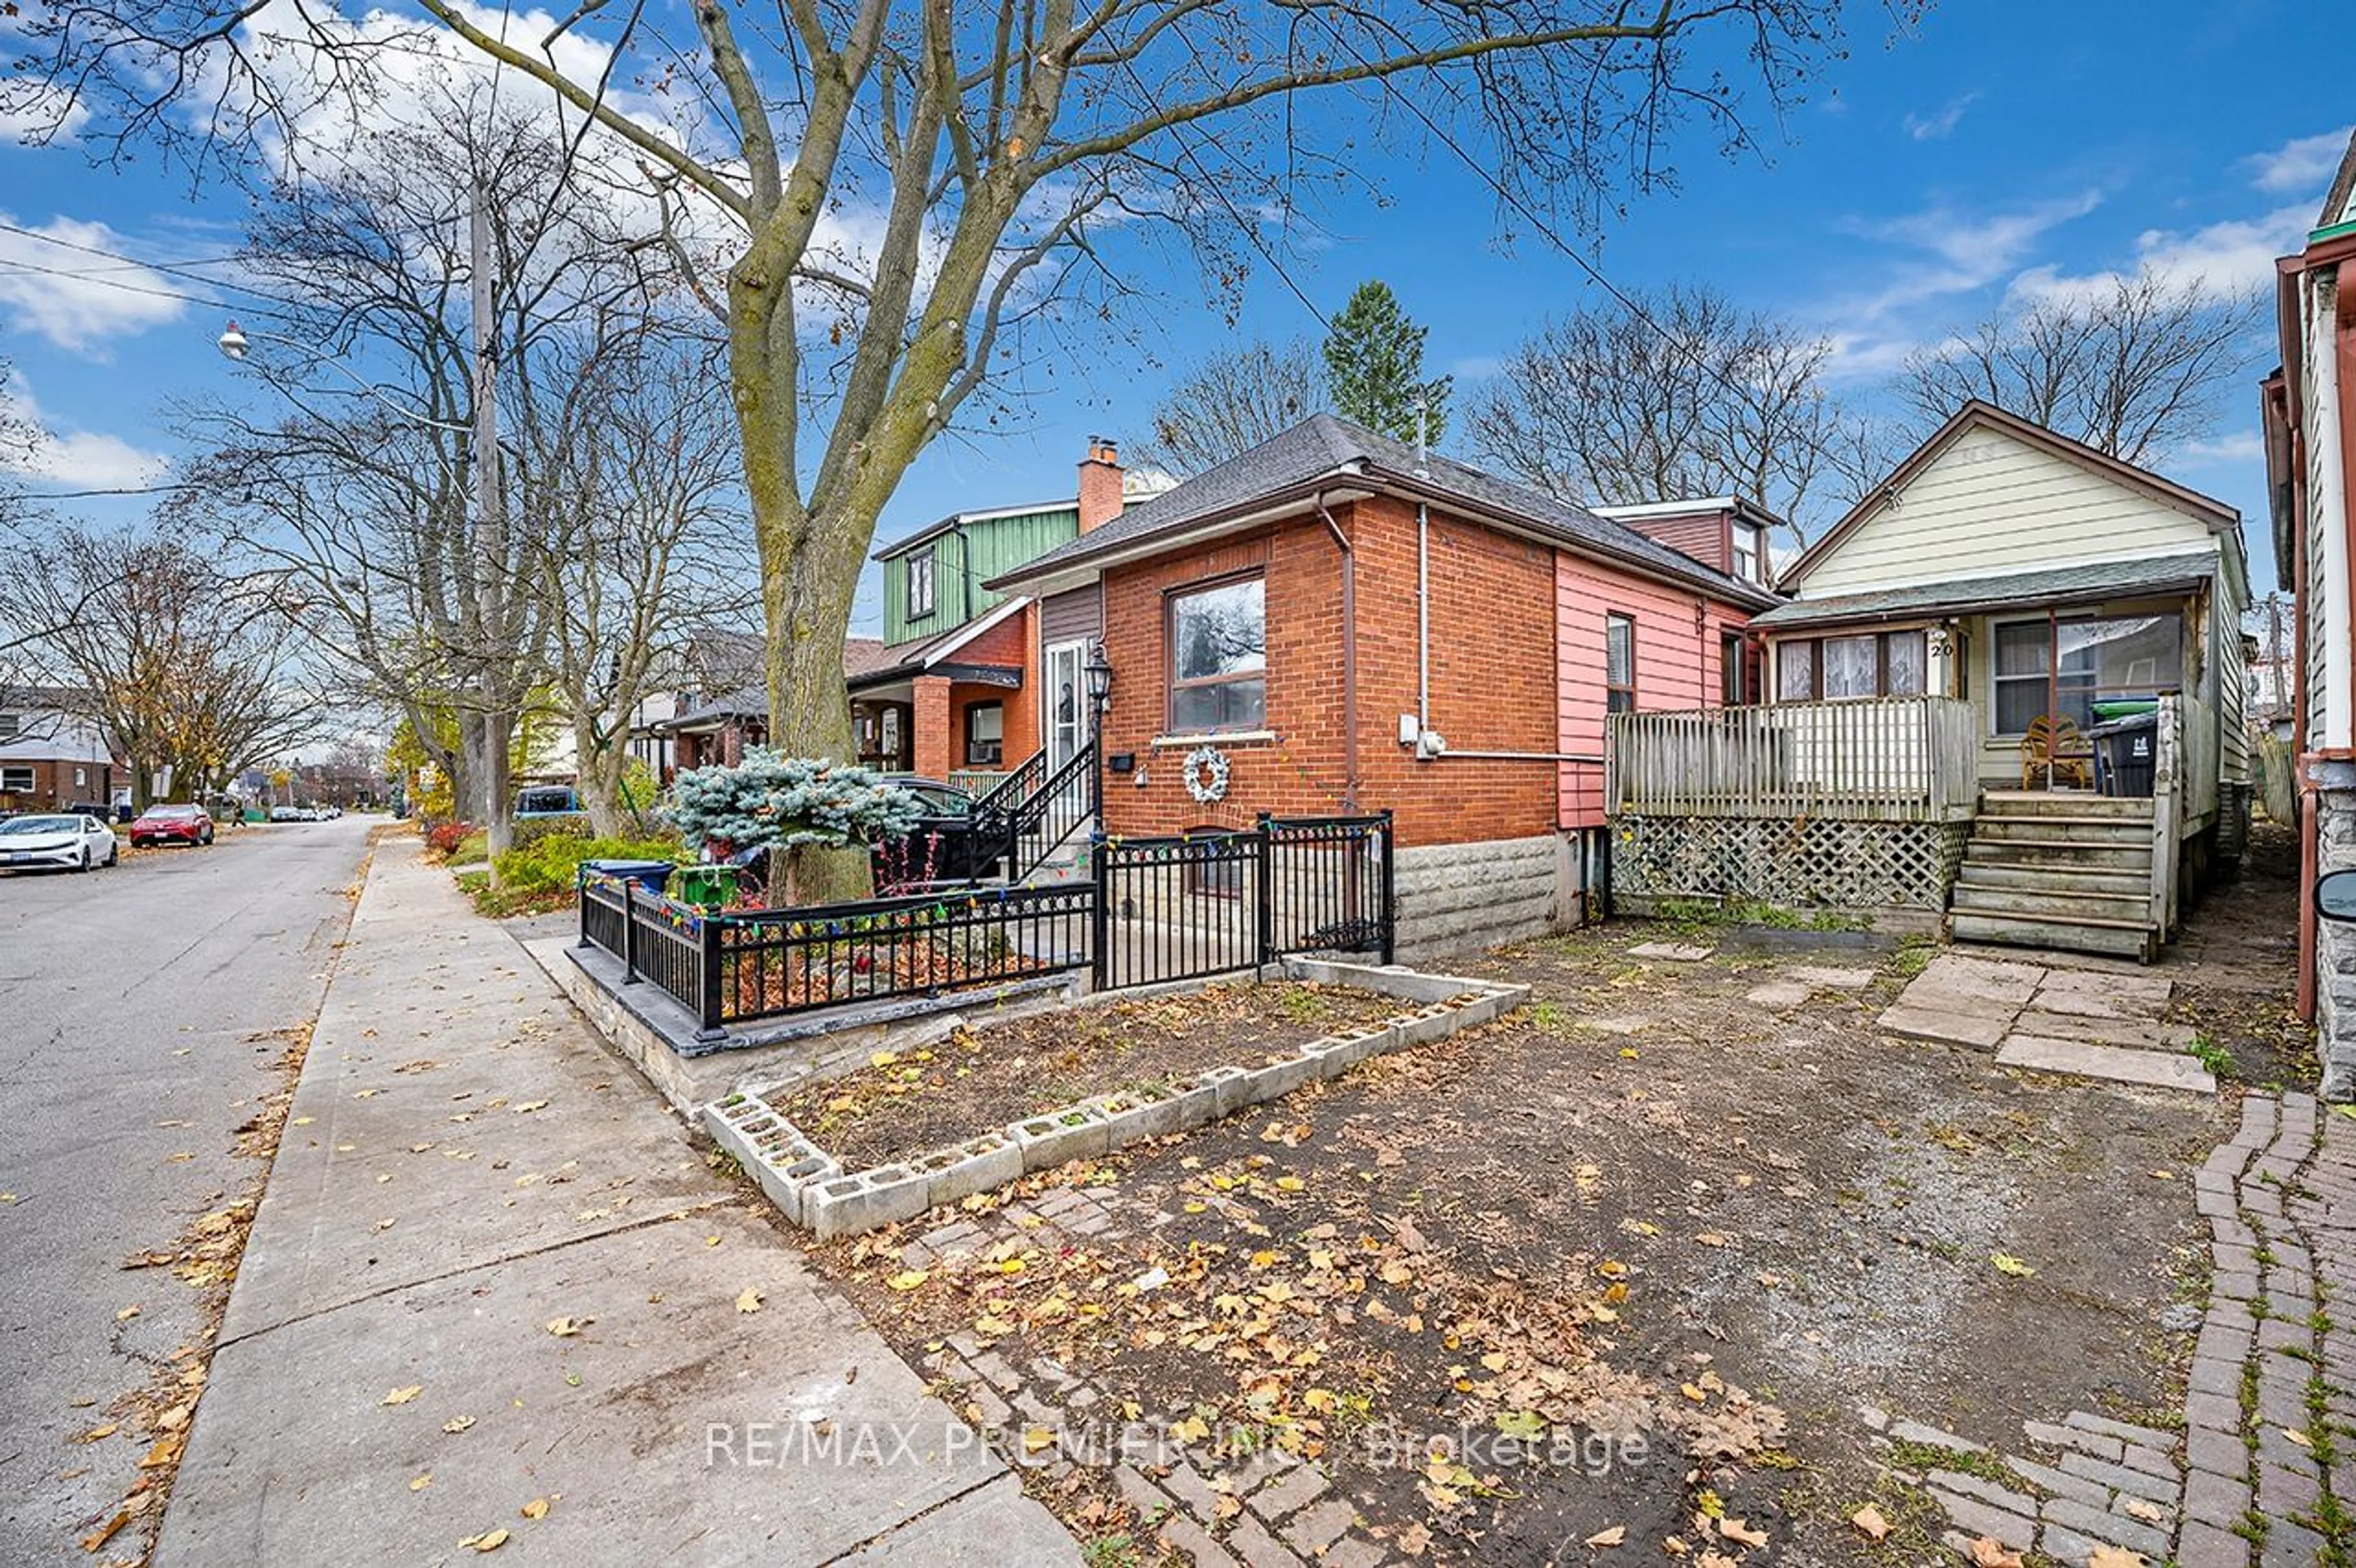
(1998, 146)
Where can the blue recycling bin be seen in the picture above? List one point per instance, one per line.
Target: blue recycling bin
(651, 875)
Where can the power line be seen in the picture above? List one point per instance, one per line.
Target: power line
(177, 269)
(1595, 273)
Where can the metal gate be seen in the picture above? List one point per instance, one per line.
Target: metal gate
(1196, 904)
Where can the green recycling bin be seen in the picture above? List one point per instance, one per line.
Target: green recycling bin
(705, 886)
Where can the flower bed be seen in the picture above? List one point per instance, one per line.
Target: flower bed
(816, 1188)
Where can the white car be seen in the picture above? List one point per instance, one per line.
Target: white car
(63, 841)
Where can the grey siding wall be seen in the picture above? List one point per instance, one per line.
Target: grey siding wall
(1065, 617)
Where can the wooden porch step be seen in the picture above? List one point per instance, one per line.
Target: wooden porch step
(2054, 852)
(2062, 802)
(2060, 899)
(2125, 939)
(2069, 829)
(2087, 878)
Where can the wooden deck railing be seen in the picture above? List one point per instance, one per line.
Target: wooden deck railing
(1902, 759)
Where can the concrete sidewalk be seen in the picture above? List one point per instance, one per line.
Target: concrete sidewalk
(492, 1288)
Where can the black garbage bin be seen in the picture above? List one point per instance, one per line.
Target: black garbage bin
(2125, 753)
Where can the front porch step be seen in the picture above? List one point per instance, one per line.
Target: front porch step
(2125, 831)
(2070, 933)
(2060, 899)
(2061, 803)
(2080, 879)
(2056, 853)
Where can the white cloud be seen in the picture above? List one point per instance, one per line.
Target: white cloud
(78, 459)
(2236, 254)
(1942, 251)
(2240, 446)
(38, 110)
(1940, 123)
(70, 297)
(2301, 166)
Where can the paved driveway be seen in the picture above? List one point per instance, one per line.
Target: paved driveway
(142, 1009)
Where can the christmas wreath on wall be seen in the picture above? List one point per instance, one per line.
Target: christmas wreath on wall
(1205, 773)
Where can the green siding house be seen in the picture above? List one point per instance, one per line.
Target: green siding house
(933, 579)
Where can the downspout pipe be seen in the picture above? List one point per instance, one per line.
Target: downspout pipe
(1349, 656)
(1422, 617)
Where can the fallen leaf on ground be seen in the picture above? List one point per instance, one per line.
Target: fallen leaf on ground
(105, 1532)
(458, 1424)
(749, 1301)
(1414, 1540)
(2007, 1264)
(490, 1541)
(2295, 1436)
(530, 1105)
(1711, 1239)
(908, 1280)
(2116, 1557)
(566, 1327)
(128, 1314)
(1987, 1552)
(1870, 1521)
(404, 1395)
(422, 1482)
(1735, 1529)
(1611, 1536)
(536, 1508)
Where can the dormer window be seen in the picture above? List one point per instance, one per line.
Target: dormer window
(920, 584)
(1750, 553)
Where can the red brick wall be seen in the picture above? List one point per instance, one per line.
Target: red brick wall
(1493, 679)
(1678, 665)
(934, 758)
(53, 784)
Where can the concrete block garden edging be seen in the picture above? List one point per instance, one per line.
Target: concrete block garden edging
(813, 1191)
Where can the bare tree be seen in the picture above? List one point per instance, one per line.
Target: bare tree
(190, 667)
(1230, 403)
(2133, 365)
(994, 156)
(369, 492)
(1680, 393)
(639, 467)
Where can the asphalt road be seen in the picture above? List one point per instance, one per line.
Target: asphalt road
(140, 1009)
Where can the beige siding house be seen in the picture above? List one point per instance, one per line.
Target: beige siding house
(2048, 589)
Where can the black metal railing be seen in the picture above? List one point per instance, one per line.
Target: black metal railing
(1152, 911)
(772, 962)
(1329, 882)
(1183, 907)
(1016, 786)
(745, 966)
(1039, 824)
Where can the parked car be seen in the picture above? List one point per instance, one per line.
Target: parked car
(547, 800)
(61, 840)
(172, 825)
(954, 843)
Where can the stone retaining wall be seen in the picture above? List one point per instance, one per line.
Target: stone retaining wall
(2335, 941)
(1459, 898)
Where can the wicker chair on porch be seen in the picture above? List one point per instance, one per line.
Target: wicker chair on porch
(2054, 752)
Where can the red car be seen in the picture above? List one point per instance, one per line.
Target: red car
(172, 825)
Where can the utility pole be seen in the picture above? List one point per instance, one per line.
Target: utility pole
(491, 528)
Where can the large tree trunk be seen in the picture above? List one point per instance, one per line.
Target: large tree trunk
(602, 765)
(499, 786)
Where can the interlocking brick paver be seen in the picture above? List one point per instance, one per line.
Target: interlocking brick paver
(1300, 1485)
(1252, 1542)
(1320, 1525)
(2110, 1529)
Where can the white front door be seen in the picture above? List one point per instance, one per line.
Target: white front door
(1064, 721)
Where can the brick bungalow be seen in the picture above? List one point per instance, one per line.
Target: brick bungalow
(1355, 627)
(51, 756)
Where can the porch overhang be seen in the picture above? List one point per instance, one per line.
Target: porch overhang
(2061, 587)
(898, 684)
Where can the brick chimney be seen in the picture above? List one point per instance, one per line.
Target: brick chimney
(1100, 476)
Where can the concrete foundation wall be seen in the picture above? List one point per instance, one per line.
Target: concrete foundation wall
(2335, 941)
(1459, 898)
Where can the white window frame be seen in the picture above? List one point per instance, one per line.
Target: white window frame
(9, 778)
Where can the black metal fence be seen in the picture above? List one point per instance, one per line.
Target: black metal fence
(1183, 907)
(1152, 911)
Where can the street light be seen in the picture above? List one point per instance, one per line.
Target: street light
(234, 342)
